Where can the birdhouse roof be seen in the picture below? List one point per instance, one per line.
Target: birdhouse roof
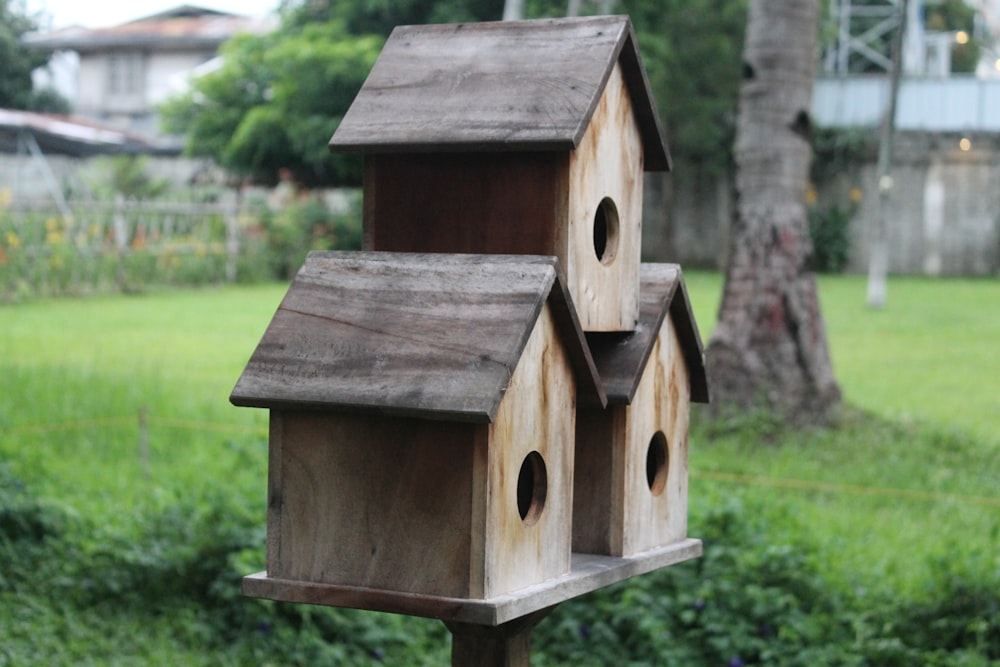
(621, 358)
(498, 86)
(425, 335)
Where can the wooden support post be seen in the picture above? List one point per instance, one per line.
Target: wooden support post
(504, 645)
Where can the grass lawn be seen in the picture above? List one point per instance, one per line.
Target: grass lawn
(903, 488)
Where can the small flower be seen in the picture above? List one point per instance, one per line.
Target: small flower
(699, 604)
(584, 630)
(13, 241)
(264, 628)
(855, 195)
(736, 661)
(378, 654)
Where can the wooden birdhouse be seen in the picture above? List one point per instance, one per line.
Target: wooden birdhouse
(422, 423)
(526, 137)
(632, 458)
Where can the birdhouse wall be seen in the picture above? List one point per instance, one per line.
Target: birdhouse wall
(538, 414)
(425, 506)
(537, 203)
(631, 467)
(605, 212)
(503, 203)
(381, 503)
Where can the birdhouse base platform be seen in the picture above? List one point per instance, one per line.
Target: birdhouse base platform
(588, 573)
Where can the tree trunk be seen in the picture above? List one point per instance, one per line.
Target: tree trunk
(513, 10)
(769, 350)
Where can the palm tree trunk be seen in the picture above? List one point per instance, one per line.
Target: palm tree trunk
(769, 349)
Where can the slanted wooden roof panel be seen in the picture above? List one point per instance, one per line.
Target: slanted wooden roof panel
(520, 85)
(434, 336)
(621, 358)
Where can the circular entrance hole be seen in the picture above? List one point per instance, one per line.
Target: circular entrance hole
(532, 484)
(656, 464)
(606, 231)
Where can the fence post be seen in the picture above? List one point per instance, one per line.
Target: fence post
(231, 213)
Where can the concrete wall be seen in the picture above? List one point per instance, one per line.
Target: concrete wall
(943, 213)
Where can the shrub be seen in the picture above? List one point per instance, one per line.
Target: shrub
(831, 241)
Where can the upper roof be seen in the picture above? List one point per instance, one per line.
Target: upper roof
(621, 358)
(424, 335)
(183, 27)
(510, 85)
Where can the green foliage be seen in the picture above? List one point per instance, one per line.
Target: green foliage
(831, 241)
(16, 61)
(126, 175)
(305, 224)
(884, 552)
(692, 53)
(275, 102)
(279, 97)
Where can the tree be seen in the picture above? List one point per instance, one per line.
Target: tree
(769, 350)
(278, 98)
(16, 61)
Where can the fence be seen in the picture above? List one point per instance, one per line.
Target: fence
(116, 246)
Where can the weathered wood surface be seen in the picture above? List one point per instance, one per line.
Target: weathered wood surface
(621, 358)
(538, 414)
(428, 506)
(505, 645)
(522, 85)
(607, 168)
(500, 203)
(617, 509)
(383, 503)
(526, 203)
(434, 336)
(588, 573)
(649, 374)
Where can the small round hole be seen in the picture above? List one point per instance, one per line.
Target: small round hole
(656, 464)
(606, 231)
(532, 485)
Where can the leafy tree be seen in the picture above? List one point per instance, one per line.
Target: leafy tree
(769, 350)
(279, 97)
(16, 61)
(691, 52)
(274, 100)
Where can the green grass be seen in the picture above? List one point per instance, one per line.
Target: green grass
(909, 482)
(903, 490)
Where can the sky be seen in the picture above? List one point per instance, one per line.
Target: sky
(104, 13)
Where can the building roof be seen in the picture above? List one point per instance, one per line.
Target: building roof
(72, 135)
(511, 85)
(422, 335)
(621, 358)
(183, 27)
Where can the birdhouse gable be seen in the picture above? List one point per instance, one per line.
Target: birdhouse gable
(621, 358)
(432, 336)
(498, 86)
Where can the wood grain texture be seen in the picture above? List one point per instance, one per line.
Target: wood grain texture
(467, 202)
(616, 510)
(428, 506)
(381, 503)
(606, 167)
(621, 358)
(496, 86)
(538, 414)
(588, 573)
(434, 336)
